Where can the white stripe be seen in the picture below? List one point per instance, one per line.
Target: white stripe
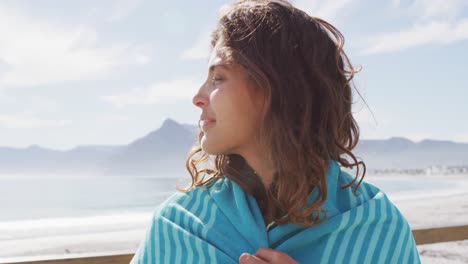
(197, 201)
(196, 221)
(189, 248)
(360, 238)
(408, 250)
(391, 232)
(399, 244)
(150, 247)
(367, 196)
(205, 209)
(375, 236)
(167, 245)
(185, 217)
(211, 250)
(178, 245)
(348, 233)
(331, 240)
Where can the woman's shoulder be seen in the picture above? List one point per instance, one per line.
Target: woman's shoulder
(189, 201)
(344, 195)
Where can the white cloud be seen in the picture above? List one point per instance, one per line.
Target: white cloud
(42, 52)
(24, 121)
(327, 10)
(161, 92)
(437, 9)
(435, 22)
(421, 34)
(123, 8)
(200, 48)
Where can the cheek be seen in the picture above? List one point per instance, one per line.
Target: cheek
(233, 105)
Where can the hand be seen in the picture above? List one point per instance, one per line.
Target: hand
(265, 256)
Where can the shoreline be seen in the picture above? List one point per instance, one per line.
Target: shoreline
(121, 233)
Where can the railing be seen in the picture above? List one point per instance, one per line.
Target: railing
(421, 236)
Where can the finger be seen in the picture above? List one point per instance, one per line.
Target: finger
(250, 259)
(273, 256)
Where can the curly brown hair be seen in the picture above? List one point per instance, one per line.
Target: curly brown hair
(299, 63)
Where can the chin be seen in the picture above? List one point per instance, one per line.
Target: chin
(212, 149)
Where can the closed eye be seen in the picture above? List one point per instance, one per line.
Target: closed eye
(216, 78)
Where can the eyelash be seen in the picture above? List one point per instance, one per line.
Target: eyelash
(216, 78)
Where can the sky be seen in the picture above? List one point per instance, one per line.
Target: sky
(111, 71)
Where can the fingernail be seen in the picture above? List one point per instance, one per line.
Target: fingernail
(244, 256)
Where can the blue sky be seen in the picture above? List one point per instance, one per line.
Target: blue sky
(110, 71)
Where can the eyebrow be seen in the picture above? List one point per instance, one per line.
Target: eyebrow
(226, 66)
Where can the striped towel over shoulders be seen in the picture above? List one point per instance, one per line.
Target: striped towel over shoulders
(219, 222)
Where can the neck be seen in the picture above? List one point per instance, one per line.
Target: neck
(263, 168)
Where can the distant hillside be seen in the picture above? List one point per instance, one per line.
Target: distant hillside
(161, 151)
(165, 150)
(401, 153)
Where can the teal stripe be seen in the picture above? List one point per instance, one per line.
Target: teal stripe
(370, 231)
(395, 235)
(341, 231)
(209, 225)
(368, 192)
(203, 216)
(195, 223)
(415, 255)
(350, 230)
(161, 241)
(211, 221)
(167, 245)
(362, 195)
(197, 201)
(391, 232)
(398, 247)
(404, 257)
(406, 247)
(362, 233)
(200, 252)
(178, 245)
(189, 248)
(332, 238)
(378, 234)
(205, 208)
(351, 198)
(185, 218)
(151, 246)
(357, 230)
(212, 254)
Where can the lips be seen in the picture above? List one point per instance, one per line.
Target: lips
(206, 118)
(206, 123)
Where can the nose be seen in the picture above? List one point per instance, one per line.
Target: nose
(200, 99)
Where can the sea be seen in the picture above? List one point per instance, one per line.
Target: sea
(56, 196)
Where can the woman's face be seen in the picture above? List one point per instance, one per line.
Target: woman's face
(231, 99)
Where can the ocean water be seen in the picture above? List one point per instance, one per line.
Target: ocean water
(27, 198)
(42, 197)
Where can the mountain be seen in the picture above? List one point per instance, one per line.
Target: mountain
(161, 151)
(401, 153)
(164, 150)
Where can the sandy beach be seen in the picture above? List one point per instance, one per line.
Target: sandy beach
(439, 209)
(121, 234)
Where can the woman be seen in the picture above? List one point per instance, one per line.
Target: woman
(276, 116)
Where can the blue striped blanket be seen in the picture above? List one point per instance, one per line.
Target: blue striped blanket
(217, 223)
